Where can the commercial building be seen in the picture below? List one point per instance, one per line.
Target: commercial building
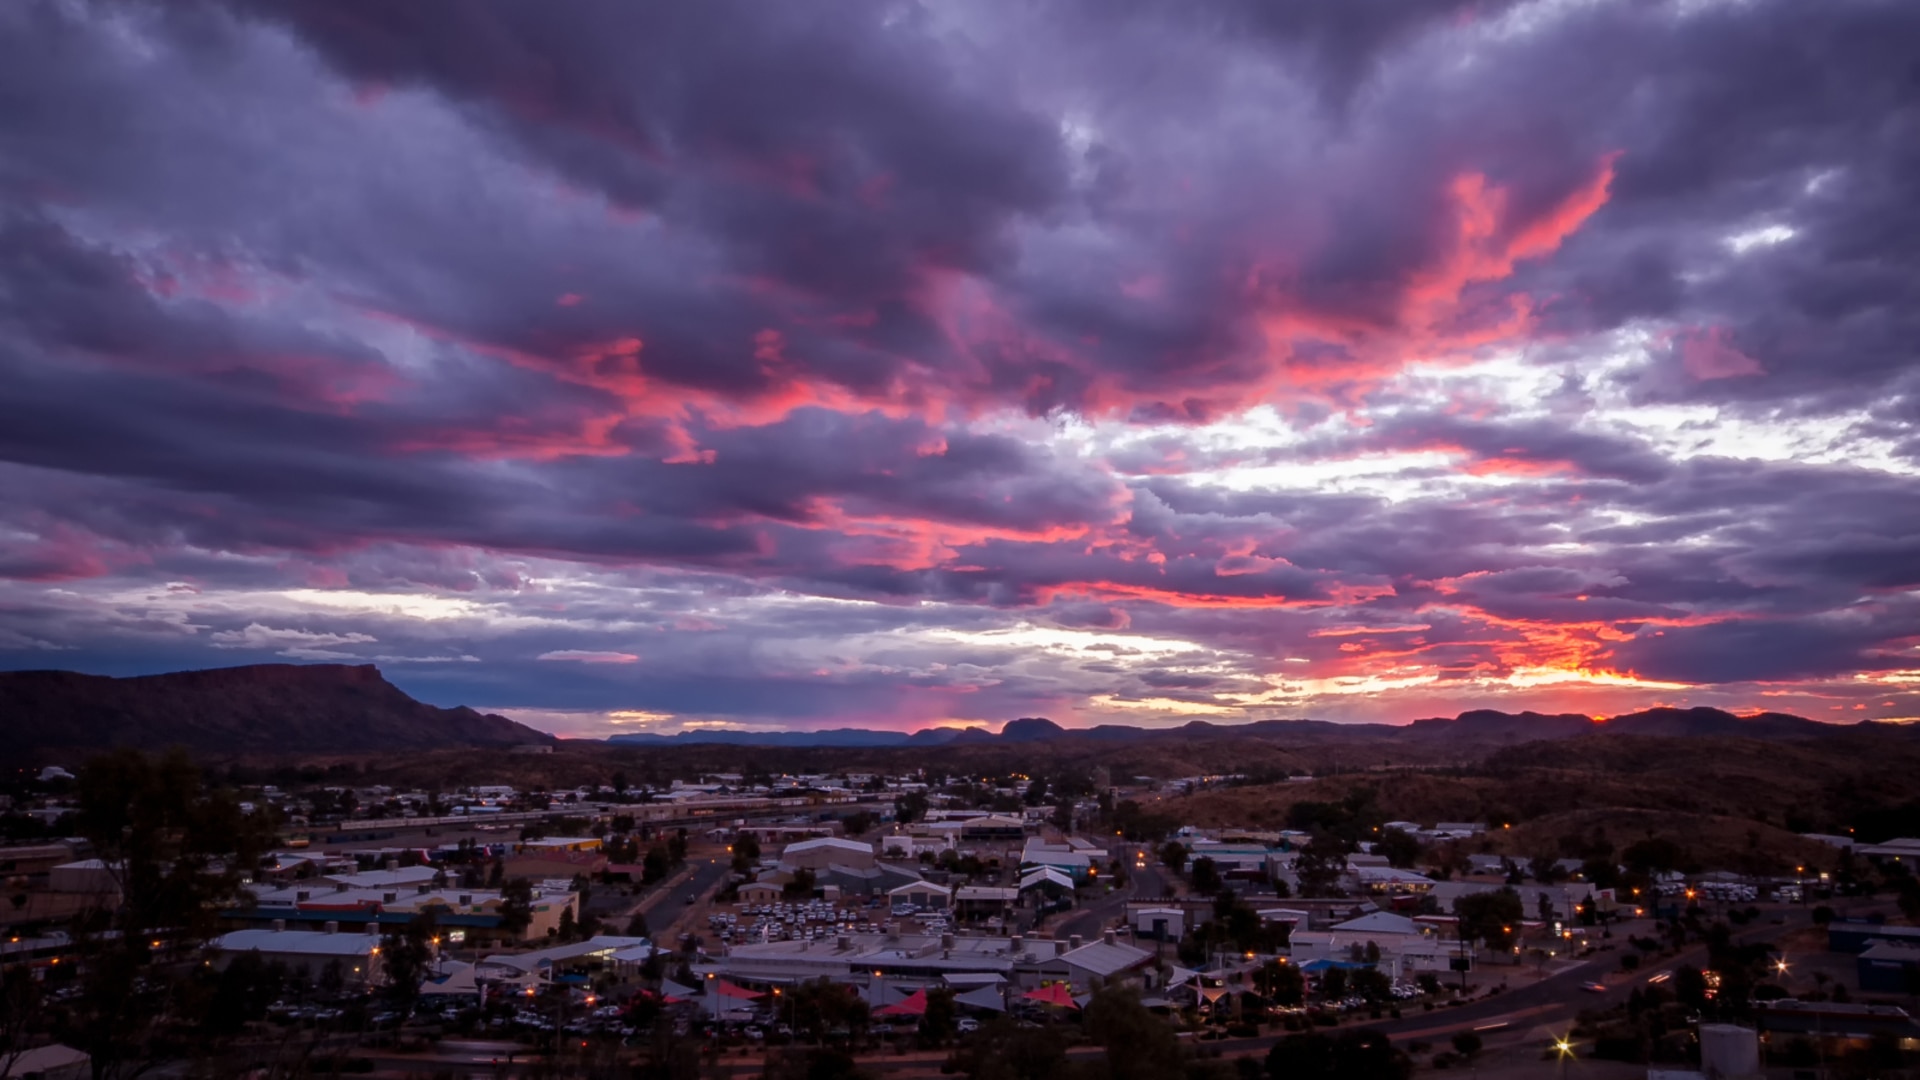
(310, 952)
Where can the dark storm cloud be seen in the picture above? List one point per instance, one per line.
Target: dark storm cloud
(632, 329)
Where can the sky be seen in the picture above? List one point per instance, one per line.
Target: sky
(649, 367)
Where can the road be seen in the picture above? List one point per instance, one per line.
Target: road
(666, 909)
(1089, 920)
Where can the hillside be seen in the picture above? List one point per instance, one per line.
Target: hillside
(258, 709)
(1712, 794)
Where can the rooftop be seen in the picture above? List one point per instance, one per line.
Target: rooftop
(299, 942)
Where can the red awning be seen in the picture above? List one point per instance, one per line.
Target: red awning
(1057, 994)
(727, 989)
(915, 1005)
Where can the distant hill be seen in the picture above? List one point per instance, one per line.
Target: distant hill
(1478, 728)
(261, 708)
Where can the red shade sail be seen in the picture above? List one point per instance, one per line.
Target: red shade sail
(1057, 994)
(915, 1005)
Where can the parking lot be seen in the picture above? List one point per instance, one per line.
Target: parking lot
(816, 920)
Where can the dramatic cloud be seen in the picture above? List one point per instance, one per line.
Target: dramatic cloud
(900, 363)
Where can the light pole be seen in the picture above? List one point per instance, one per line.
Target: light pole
(1565, 1051)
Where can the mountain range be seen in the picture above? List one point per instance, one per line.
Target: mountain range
(336, 708)
(1479, 726)
(255, 709)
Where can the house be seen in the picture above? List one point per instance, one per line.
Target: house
(1386, 879)
(1160, 923)
(1561, 901)
(1378, 922)
(761, 892)
(310, 952)
(921, 895)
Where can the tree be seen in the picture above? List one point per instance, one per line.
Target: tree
(516, 906)
(801, 886)
(1205, 876)
(637, 926)
(1138, 1044)
(936, 1024)
(1003, 1050)
(177, 850)
(1354, 1055)
(1319, 864)
(1493, 917)
(407, 956)
(1399, 847)
(656, 866)
(567, 927)
(1174, 854)
(910, 808)
(746, 852)
(1371, 983)
(1333, 984)
(1283, 983)
(857, 823)
(1467, 1044)
(1690, 986)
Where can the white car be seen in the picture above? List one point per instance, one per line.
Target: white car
(966, 1025)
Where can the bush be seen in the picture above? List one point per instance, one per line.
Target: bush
(1629, 961)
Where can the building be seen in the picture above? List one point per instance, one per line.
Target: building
(87, 877)
(310, 952)
(920, 895)
(826, 852)
(885, 968)
(1159, 923)
(462, 914)
(1889, 967)
(984, 901)
(1904, 851)
(51, 1062)
(1829, 1020)
(761, 892)
(1858, 937)
(1075, 860)
(993, 827)
(33, 860)
(1107, 962)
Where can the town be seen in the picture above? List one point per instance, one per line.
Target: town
(862, 923)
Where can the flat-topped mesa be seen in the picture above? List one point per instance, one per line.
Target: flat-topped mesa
(259, 708)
